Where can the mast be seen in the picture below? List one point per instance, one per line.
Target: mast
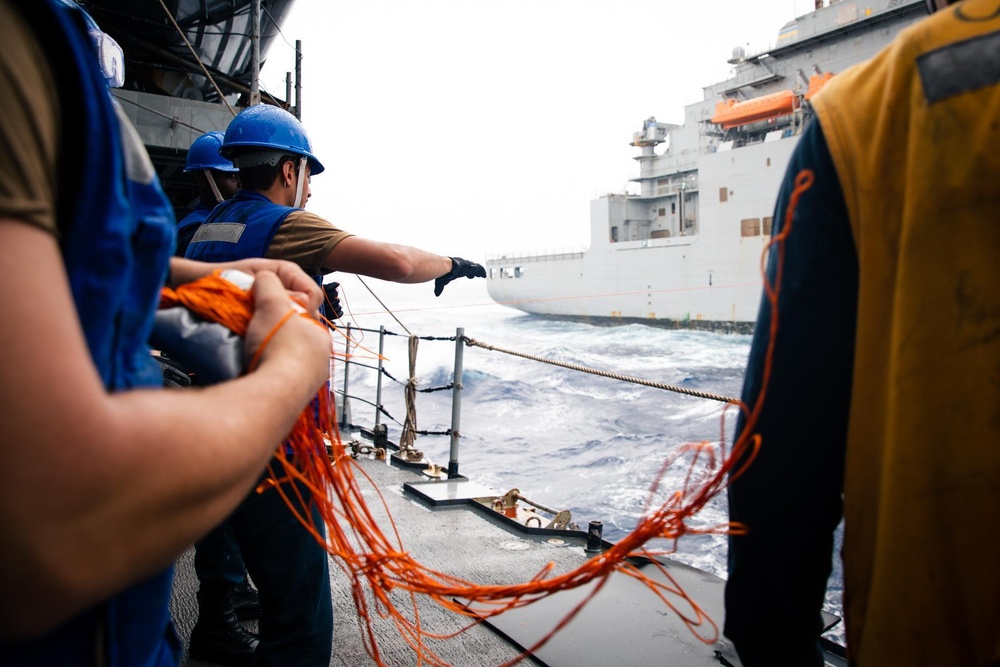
(298, 79)
(255, 53)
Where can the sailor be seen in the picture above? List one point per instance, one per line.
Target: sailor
(266, 219)
(883, 401)
(225, 595)
(218, 180)
(108, 479)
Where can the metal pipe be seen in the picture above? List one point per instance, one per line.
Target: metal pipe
(255, 53)
(288, 87)
(456, 402)
(540, 506)
(378, 382)
(595, 535)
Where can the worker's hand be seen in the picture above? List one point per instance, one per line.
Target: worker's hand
(303, 288)
(459, 267)
(334, 311)
(301, 342)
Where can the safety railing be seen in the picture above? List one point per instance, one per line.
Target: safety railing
(348, 394)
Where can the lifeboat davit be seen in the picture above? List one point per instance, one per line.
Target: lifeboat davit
(731, 113)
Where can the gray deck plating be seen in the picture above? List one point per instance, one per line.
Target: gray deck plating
(624, 624)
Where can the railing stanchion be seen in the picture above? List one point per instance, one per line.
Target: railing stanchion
(344, 409)
(456, 402)
(378, 382)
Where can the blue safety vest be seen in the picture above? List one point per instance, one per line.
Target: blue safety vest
(189, 225)
(195, 217)
(114, 217)
(238, 228)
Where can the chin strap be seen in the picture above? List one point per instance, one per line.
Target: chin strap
(211, 184)
(301, 182)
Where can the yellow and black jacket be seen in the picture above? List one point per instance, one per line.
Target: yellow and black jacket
(886, 383)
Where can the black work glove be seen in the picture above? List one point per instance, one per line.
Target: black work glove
(331, 305)
(459, 267)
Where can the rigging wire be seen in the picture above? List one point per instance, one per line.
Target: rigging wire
(197, 58)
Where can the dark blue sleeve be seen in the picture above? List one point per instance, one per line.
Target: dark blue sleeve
(789, 498)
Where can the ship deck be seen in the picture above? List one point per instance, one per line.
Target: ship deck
(625, 623)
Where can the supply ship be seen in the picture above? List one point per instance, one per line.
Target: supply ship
(686, 250)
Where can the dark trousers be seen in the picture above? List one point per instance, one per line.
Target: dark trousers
(291, 571)
(217, 557)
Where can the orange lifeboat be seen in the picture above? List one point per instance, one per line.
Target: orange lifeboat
(730, 113)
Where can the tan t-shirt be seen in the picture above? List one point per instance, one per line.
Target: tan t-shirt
(306, 239)
(29, 125)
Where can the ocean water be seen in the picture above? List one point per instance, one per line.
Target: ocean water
(566, 439)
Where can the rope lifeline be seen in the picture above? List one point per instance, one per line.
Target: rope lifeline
(471, 342)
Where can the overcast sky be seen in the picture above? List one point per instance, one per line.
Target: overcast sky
(474, 127)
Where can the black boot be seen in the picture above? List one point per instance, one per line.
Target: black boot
(246, 601)
(218, 636)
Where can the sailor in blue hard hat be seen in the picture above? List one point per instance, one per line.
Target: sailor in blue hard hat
(218, 180)
(225, 596)
(204, 157)
(266, 218)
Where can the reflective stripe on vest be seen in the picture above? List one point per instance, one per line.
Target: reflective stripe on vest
(238, 228)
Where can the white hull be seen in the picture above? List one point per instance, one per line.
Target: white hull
(711, 279)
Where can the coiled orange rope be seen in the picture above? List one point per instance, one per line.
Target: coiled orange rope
(379, 563)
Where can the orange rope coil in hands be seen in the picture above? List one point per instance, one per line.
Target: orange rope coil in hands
(378, 564)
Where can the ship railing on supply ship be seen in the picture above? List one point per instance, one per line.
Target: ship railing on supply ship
(536, 256)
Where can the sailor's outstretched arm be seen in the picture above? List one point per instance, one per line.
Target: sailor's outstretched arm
(399, 263)
(387, 261)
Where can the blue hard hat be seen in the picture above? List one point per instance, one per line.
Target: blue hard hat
(204, 154)
(271, 129)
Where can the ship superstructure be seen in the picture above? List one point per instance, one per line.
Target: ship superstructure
(686, 250)
(190, 66)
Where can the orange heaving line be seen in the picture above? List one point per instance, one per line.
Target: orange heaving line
(369, 556)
